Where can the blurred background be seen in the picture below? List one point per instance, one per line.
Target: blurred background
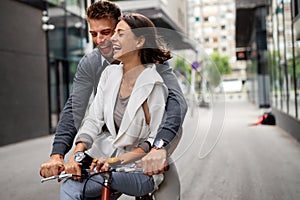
(253, 44)
(237, 50)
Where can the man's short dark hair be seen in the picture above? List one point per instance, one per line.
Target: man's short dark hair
(104, 9)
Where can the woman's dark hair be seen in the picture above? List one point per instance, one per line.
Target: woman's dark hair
(103, 9)
(153, 50)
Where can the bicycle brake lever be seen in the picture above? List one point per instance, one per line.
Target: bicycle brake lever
(62, 176)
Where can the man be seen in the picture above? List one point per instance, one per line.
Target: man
(102, 18)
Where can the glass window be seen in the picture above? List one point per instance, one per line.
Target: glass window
(284, 67)
(57, 36)
(288, 58)
(76, 39)
(66, 44)
(56, 2)
(297, 78)
(76, 7)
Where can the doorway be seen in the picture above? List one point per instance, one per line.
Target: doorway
(59, 89)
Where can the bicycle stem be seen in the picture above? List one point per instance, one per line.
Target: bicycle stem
(106, 186)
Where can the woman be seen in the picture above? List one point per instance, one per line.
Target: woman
(130, 101)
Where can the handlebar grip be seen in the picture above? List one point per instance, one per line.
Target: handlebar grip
(113, 160)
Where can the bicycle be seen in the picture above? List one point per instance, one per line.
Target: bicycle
(115, 166)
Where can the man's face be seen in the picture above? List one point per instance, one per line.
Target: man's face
(101, 31)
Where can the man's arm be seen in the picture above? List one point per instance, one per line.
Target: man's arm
(85, 80)
(65, 131)
(170, 128)
(74, 109)
(176, 107)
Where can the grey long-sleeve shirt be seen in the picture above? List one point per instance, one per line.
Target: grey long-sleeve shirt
(85, 83)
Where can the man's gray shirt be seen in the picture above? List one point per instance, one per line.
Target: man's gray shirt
(85, 83)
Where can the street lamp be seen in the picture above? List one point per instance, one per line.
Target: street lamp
(45, 19)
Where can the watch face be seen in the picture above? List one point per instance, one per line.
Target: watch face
(159, 144)
(79, 156)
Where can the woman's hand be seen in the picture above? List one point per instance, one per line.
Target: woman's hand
(74, 168)
(99, 164)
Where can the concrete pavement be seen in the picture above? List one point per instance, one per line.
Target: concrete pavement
(248, 162)
(209, 175)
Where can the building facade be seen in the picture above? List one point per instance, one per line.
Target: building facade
(41, 44)
(270, 42)
(284, 61)
(212, 24)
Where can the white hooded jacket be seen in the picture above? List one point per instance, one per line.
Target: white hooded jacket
(133, 130)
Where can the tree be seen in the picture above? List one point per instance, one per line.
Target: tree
(222, 62)
(183, 67)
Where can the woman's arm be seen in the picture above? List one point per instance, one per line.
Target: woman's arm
(73, 167)
(134, 155)
(153, 107)
(94, 121)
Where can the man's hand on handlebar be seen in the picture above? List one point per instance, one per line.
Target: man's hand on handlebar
(154, 162)
(54, 166)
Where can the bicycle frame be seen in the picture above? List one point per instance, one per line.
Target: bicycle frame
(106, 186)
(116, 166)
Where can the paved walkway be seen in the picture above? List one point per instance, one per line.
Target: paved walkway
(20, 162)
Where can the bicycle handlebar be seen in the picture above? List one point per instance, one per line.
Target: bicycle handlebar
(62, 176)
(114, 167)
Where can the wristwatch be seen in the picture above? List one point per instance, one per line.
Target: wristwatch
(79, 156)
(159, 144)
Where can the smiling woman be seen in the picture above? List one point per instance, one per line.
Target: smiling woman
(138, 28)
(125, 43)
(130, 100)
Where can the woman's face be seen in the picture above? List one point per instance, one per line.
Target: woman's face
(124, 42)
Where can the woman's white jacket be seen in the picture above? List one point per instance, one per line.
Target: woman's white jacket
(133, 130)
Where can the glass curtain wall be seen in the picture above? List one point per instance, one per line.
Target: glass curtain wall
(284, 58)
(66, 46)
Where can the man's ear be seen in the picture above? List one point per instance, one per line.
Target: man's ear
(140, 42)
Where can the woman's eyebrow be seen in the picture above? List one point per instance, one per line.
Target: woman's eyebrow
(119, 30)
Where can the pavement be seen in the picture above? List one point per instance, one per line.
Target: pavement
(20, 162)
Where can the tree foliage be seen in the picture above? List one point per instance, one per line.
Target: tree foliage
(222, 63)
(183, 68)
